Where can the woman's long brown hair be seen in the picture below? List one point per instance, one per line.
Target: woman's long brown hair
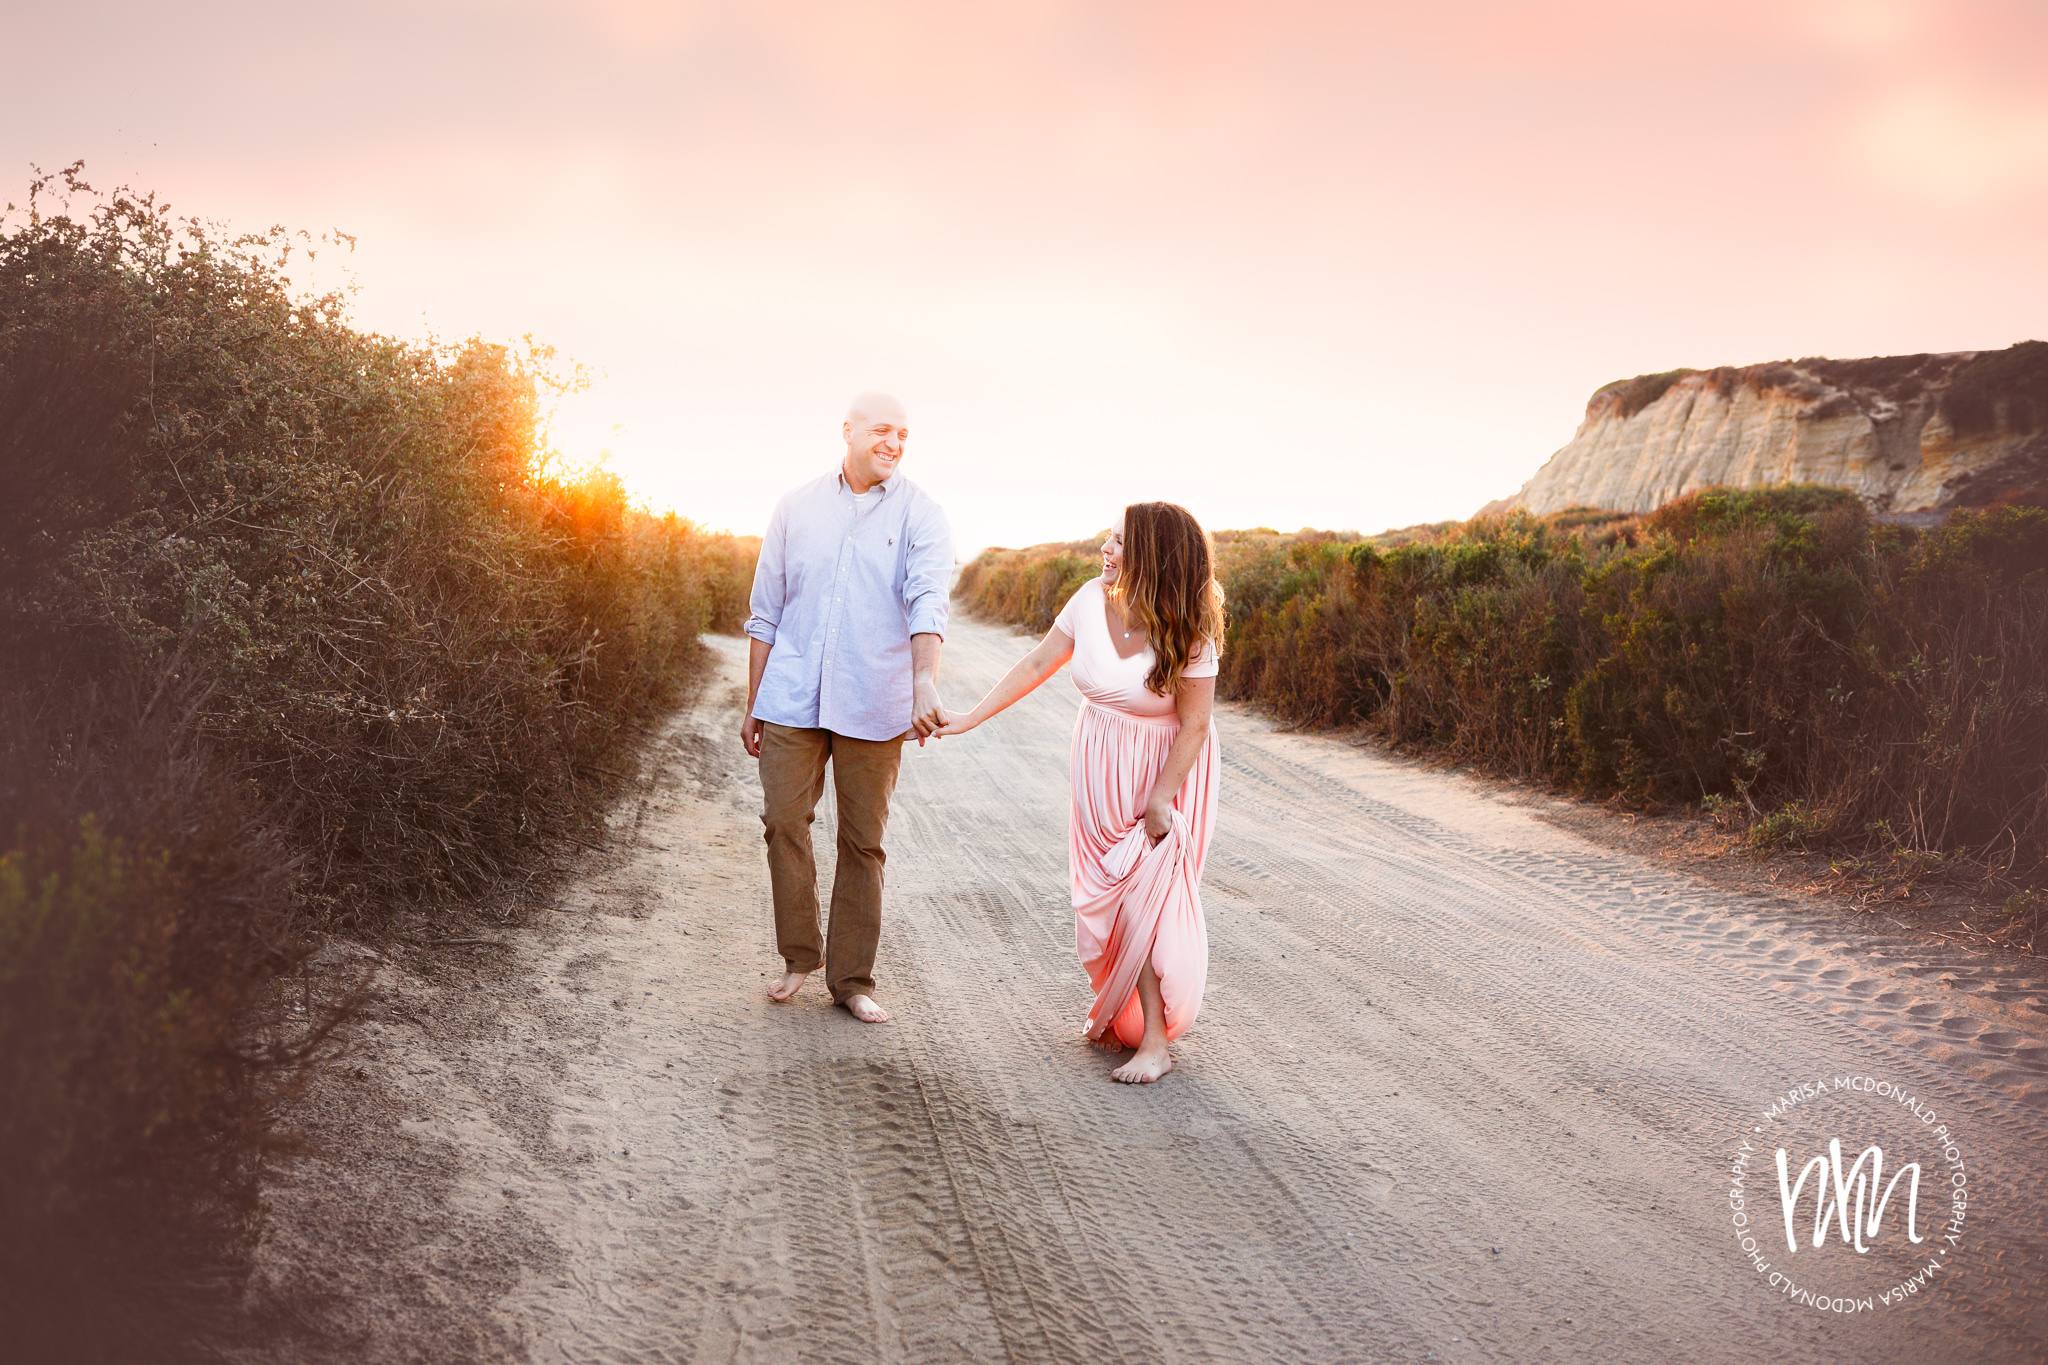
(1168, 585)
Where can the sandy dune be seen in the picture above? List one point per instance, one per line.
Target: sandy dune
(1465, 1087)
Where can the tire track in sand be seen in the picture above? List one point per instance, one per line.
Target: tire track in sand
(1462, 1089)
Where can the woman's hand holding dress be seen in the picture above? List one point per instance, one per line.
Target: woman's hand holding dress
(1194, 704)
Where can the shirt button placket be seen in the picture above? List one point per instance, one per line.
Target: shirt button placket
(832, 632)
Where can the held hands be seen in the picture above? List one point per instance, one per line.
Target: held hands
(927, 717)
(956, 723)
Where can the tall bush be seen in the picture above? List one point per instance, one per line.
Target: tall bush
(1775, 648)
(1027, 587)
(299, 625)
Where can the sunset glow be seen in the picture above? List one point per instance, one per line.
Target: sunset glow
(1355, 265)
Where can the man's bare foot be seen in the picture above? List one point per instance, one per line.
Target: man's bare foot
(865, 1009)
(783, 991)
(1148, 1066)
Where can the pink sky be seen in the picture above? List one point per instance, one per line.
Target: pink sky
(1351, 265)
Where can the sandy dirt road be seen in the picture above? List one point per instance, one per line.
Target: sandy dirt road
(1465, 1088)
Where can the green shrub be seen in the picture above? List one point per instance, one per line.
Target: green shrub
(418, 639)
(1795, 825)
(1027, 587)
(1772, 645)
(298, 624)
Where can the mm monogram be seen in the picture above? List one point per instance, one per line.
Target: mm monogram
(1847, 1197)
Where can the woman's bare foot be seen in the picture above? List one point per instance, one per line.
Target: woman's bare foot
(1151, 1062)
(783, 991)
(1106, 1040)
(865, 1009)
(1148, 1066)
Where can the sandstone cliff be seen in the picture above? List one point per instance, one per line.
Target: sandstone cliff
(1916, 433)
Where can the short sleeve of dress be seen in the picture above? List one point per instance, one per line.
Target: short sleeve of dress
(1065, 620)
(1205, 663)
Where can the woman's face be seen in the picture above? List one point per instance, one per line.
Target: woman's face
(1113, 552)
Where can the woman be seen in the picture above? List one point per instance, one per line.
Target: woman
(1143, 638)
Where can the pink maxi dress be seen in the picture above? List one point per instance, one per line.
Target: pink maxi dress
(1134, 899)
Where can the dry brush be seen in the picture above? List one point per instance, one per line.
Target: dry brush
(1778, 655)
(300, 628)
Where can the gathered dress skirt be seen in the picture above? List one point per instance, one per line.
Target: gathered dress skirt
(1134, 900)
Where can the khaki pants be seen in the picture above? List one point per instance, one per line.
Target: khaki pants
(792, 780)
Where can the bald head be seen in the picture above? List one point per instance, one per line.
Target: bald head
(875, 432)
(875, 404)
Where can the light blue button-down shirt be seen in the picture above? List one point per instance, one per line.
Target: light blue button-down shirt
(839, 590)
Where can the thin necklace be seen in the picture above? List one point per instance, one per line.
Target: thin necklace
(1126, 620)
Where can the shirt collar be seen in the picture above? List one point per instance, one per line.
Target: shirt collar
(839, 474)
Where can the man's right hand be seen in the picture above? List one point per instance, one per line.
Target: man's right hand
(926, 713)
(750, 724)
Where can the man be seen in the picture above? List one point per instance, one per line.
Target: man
(849, 609)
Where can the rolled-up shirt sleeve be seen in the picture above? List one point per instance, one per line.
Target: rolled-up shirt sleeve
(769, 589)
(928, 571)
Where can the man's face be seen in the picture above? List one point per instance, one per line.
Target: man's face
(874, 445)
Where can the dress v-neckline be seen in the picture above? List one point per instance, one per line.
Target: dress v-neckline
(1108, 618)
